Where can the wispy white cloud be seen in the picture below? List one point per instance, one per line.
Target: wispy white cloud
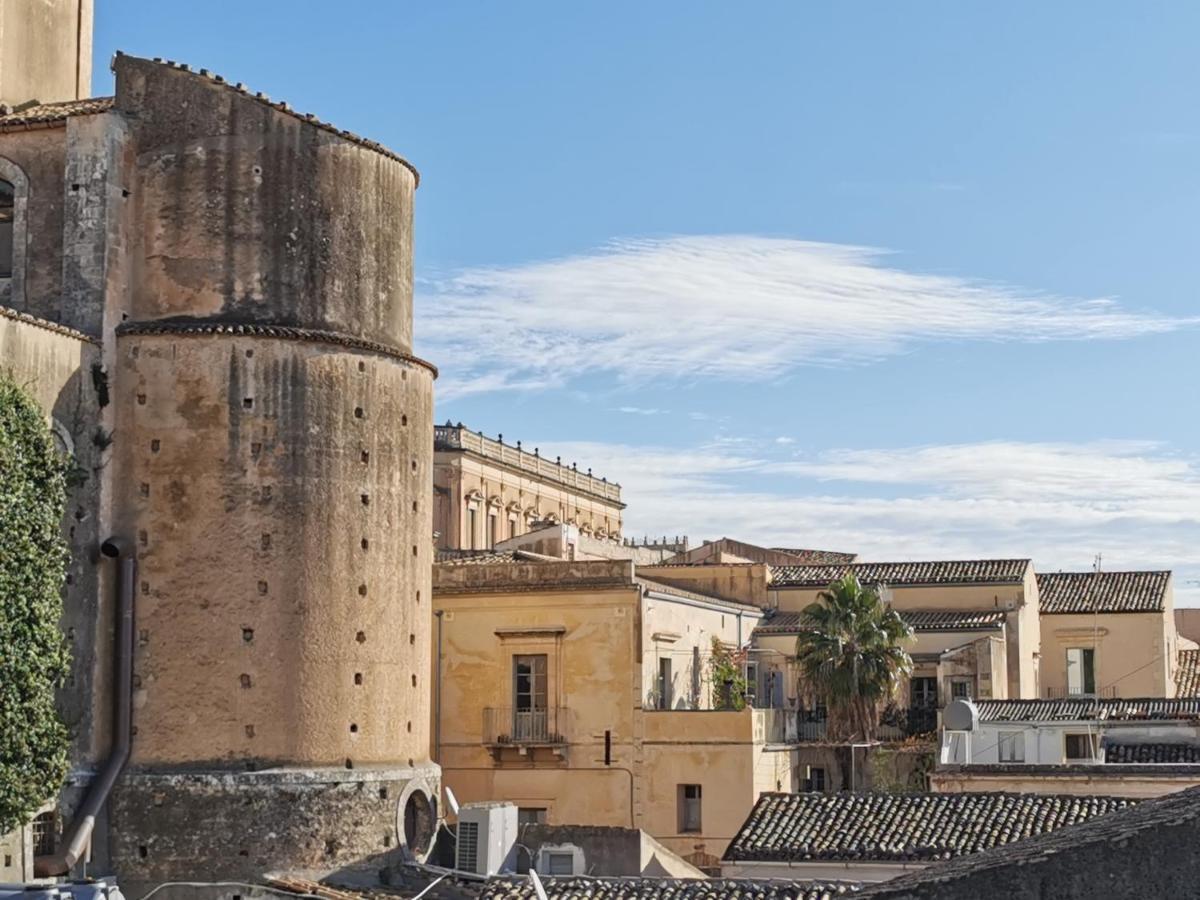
(1136, 503)
(640, 411)
(727, 307)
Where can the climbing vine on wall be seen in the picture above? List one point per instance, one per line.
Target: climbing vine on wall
(725, 677)
(33, 655)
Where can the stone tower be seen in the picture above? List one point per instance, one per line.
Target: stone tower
(275, 457)
(45, 50)
(258, 432)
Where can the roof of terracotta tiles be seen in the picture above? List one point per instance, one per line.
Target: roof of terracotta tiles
(1187, 674)
(1118, 828)
(640, 888)
(50, 113)
(933, 620)
(1082, 709)
(899, 827)
(1151, 753)
(903, 574)
(1063, 593)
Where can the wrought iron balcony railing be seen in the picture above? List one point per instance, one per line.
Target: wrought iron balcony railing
(505, 726)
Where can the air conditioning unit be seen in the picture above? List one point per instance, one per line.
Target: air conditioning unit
(487, 838)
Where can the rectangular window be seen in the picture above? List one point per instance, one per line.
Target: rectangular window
(1081, 746)
(924, 692)
(665, 682)
(491, 531)
(471, 532)
(1012, 746)
(559, 863)
(1081, 671)
(960, 689)
(531, 815)
(689, 808)
(529, 698)
(815, 780)
(751, 684)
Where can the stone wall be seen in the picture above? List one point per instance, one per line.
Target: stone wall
(236, 826)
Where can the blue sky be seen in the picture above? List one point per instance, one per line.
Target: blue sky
(912, 279)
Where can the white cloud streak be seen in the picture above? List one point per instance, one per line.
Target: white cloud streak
(1135, 503)
(728, 307)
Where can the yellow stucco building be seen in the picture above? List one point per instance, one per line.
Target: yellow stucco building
(582, 692)
(1109, 634)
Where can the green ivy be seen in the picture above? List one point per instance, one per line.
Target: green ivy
(725, 677)
(33, 655)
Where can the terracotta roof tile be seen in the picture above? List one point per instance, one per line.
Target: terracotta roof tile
(1187, 675)
(898, 827)
(48, 113)
(1062, 593)
(638, 888)
(1151, 753)
(932, 620)
(898, 574)
(1082, 709)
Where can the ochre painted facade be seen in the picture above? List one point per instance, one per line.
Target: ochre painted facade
(611, 642)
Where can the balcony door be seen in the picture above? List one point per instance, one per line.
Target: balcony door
(529, 697)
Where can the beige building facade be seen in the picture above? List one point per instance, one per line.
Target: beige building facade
(486, 491)
(1109, 634)
(583, 693)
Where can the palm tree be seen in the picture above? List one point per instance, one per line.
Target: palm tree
(851, 655)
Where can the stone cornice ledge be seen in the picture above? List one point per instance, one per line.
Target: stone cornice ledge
(217, 328)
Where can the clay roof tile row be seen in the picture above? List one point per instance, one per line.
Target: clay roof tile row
(902, 827)
(1064, 593)
(902, 574)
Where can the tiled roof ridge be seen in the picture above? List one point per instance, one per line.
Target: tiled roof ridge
(283, 107)
(18, 316)
(53, 113)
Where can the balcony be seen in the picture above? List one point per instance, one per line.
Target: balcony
(524, 728)
(901, 724)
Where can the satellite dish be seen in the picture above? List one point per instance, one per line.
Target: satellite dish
(537, 885)
(960, 715)
(451, 800)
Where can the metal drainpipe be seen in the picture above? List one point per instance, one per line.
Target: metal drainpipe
(437, 694)
(78, 836)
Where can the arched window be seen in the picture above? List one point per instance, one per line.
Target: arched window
(8, 224)
(14, 196)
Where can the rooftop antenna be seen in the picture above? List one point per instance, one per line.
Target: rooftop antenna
(537, 885)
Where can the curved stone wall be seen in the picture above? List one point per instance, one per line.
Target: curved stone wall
(280, 505)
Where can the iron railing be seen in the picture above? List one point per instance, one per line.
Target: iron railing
(524, 727)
